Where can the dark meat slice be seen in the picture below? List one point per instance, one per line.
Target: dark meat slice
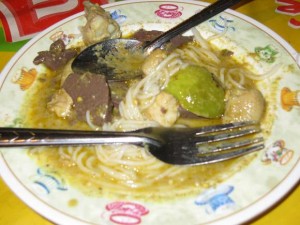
(226, 53)
(180, 40)
(56, 57)
(90, 92)
(144, 36)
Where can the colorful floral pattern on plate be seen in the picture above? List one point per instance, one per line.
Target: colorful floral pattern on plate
(276, 166)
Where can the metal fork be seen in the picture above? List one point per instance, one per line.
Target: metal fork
(180, 146)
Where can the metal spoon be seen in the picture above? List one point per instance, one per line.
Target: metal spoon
(121, 59)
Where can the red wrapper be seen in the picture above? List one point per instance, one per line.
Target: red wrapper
(22, 19)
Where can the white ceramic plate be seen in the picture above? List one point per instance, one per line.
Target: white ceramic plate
(273, 172)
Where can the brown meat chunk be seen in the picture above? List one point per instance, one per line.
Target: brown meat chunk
(144, 36)
(90, 92)
(56, 57)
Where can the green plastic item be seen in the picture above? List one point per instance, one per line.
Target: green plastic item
(197, 91)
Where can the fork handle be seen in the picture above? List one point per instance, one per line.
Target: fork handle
(11, 137)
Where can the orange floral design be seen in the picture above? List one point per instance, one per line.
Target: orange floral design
(26, 78)
(289, 98)
(61, 35)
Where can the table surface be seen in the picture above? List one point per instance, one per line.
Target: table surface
(13, 211)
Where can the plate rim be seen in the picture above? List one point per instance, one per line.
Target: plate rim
(246, 214)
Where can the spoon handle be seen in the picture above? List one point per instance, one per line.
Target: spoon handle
(203, 15)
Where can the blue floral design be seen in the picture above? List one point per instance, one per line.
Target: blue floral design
(48, 182)
(221, 24)
(217, 199)
(117, 16)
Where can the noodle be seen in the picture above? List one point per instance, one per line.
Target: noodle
(198, 37)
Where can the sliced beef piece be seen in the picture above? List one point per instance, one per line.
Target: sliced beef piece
(144, 36)
(226, 53)
(90, 92)
(180, 40)
(56, 57)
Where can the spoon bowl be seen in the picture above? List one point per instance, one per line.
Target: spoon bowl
(109, 58)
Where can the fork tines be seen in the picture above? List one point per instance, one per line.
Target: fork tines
(239, 137)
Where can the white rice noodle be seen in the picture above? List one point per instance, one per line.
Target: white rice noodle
(113, 173)
(90, 122)
(239, 78)
(274, 70)
(128, 155)
(129, 109)
(80, 158)
(169, 172)
(222, 75)
(64, 152)
(198, 37)
(201, 54)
